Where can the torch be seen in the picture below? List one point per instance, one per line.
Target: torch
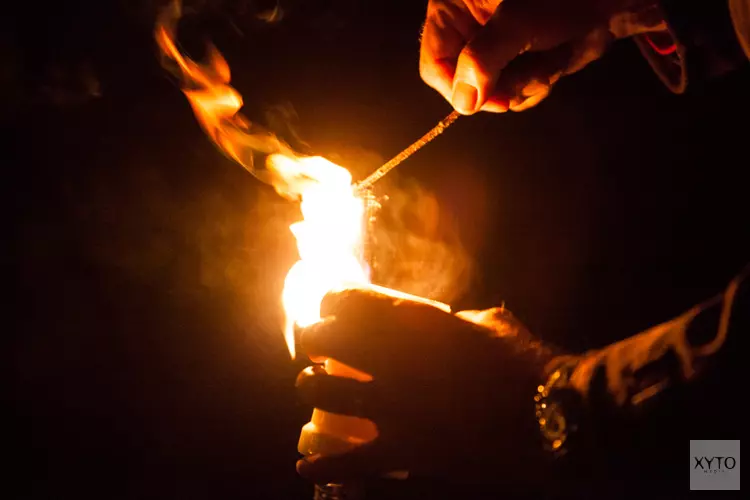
(327, 264)
(332, 237)
(333, 434)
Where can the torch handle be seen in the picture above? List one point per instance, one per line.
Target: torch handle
(332, 434)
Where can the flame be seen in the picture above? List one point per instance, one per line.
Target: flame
(330, 236)
(216, 105)
(329, 241)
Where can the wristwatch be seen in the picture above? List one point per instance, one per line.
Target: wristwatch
(559, 409)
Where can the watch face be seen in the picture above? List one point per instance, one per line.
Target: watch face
(552, 424)
(550, 415)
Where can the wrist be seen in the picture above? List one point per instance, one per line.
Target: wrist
(637, 18)
(551, 430)
(566, 444)
(559, 408)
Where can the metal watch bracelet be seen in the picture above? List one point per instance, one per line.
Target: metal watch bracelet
(558, 408)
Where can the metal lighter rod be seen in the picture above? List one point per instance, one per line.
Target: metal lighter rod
(406, 153)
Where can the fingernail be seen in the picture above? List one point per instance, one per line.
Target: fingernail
(465, 98)
(306, 377)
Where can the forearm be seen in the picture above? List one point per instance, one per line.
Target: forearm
(649, 395)
(630, 403)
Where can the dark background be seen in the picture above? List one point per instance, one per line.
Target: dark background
(146, 357)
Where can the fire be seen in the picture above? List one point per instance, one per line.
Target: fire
(330, 237)
(216, 105)
(329, 241)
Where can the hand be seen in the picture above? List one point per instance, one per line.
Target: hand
(495, 55)
(449, 396)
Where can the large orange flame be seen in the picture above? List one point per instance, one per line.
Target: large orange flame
(216, 105)
(330, 236)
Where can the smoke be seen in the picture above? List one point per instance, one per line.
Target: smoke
(414, 244)
(272, 14)
(282, 119)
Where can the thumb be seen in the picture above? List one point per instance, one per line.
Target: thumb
(483, 58)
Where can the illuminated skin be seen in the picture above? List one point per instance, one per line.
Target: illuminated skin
(451, 395)
(496, 55)
(445, 390)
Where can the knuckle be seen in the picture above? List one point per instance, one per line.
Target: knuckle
(331, 304)
(304, 377)
(472, 59)
(472, 52)
(344, 299)
(313, 336)
(427, 72)
(344, 302)
(423, 72)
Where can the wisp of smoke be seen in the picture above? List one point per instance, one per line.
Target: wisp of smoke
(415, 248)
(413, 245)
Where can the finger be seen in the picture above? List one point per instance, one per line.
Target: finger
(545, 67)
(529, 102)
(496, 104)
(350, 342)
(589, 49)
(438, 74)
(529, 78)
(340, 395)
(484, 57)
(357, 320)
(356, 303)
(326, 339)
(369, 460)
(448, 27)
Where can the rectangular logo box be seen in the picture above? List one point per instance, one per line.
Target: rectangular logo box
(715, 465)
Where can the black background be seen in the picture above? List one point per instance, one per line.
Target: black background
(147, 359)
